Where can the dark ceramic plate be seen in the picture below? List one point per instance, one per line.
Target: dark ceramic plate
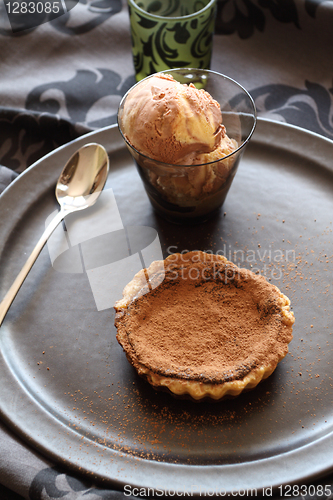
(66, 386)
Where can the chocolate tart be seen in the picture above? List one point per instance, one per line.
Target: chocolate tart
(201, 326)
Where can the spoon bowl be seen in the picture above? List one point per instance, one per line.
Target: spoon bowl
(82, 178)
(79, 186)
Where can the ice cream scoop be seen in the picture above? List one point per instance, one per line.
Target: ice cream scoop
(168, 121)
(172, 126)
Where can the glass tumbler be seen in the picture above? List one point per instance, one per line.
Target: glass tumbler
(192, 193)
(171, 34)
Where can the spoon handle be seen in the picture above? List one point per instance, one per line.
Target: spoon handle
(11, 294)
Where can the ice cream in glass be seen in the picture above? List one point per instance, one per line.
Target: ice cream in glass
(186, 130)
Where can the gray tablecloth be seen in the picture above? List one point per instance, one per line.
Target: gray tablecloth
(66, 77)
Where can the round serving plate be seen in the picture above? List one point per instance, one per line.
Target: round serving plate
(66, 386)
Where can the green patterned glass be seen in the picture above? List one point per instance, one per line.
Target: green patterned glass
(169, 34)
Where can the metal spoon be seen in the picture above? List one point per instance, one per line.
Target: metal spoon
(78, 187)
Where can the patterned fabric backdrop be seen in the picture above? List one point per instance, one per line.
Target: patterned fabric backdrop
(67, 76)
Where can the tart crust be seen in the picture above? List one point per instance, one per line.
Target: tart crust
(198, 325)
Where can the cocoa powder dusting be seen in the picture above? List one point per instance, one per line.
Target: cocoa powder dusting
(208, 320)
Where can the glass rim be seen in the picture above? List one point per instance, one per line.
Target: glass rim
(168, 18)
(208, 71)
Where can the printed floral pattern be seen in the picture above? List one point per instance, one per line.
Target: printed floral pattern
(39, 129)
(25, 137)
(244, 17)
(312, 105)
(158, 45)
(99, 12)
(54, 483)
(90, 86)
